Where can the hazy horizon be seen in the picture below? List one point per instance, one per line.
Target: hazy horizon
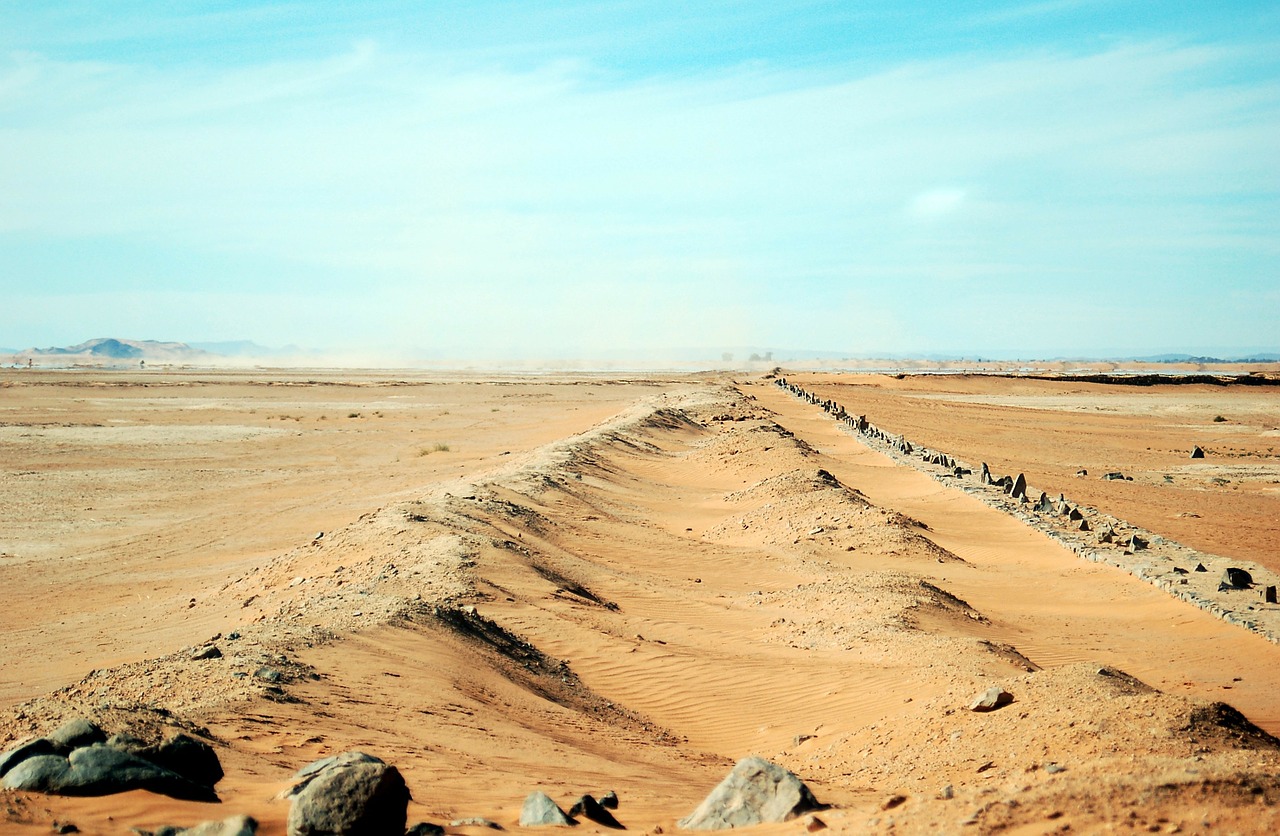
(1062, 178)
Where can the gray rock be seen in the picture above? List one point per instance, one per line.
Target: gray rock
(589, 808)
(305, 775)
(754, 792)
(41, 773)
(475, 821)
(76, 733)
(233, 826)
(362, 798)
(1197, 453)
(609, 800)
(193, 759)
(209, 651)
(26, 749)
(991, 699)
(540, 811)
(1019, 489)
(103, 770)
(1234, 578)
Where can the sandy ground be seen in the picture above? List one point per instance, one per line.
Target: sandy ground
(583, 584)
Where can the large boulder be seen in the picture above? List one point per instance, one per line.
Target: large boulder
(754, 792)
(76, 733)
(353, 796)
(193, 759)
(101, 770)
(23, 751)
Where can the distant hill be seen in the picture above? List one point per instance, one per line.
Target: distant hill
(112, 351)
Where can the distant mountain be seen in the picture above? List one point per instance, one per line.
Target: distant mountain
(105, 350)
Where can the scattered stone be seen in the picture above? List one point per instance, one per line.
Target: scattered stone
(209, 651)
(1114, 476)
(424, 828)
(801, 738)
(1197, 453)
(1019, 489)
(985, 477)
(233, 826)
(1053, 768)
(1234, 578)
(1075, 515)
(1136, 544)
(1200, 568)
(267, 674)
(475, 821)
(540, 811)
(589, 808)
(1084, 525)
(1082, 472)
(1044, 505)
(947, 793)
(65, 828)
(609, 800)
(991, 699)
(754, 792)
(352, 793)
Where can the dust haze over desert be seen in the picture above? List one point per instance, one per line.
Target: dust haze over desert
(455, 418)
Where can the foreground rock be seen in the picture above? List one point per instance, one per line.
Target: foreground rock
(991, 699)
(234, 826)
(755, 792)
(78, 759)
(540, 811)
(352, 794)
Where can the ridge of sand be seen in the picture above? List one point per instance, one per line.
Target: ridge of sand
(1194, 576)
(713, 572)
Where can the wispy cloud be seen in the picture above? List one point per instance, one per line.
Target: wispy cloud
(470, 194)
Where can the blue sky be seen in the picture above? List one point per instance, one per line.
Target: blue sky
(498, 179)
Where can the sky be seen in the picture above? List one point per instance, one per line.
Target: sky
(489, 179)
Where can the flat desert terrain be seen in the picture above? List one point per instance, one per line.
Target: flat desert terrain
(592, 583)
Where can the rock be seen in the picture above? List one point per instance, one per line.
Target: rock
(1197, 453)
(350, 796)
(24, 750)
(754, 792)
(892, 801)
(540, 811)
(233, 826)
(102, 770)
(40, 773)
(589, 808)
(1269, 595)
(1234, 578)
(1200, 568)
(209, 651)
(812, 824)
(1044, 505)
(1084, 525)
(193, 759)
(1019, 489)
(947, 793)
(424, 828)
(991, 699)
(76, 733)
(1114, 476)
(609, 800)
(985, 477)
(475, 821)
(1136, 544)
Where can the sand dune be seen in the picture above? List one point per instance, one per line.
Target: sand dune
(582, 585)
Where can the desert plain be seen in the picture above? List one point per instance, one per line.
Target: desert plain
(593, 582)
